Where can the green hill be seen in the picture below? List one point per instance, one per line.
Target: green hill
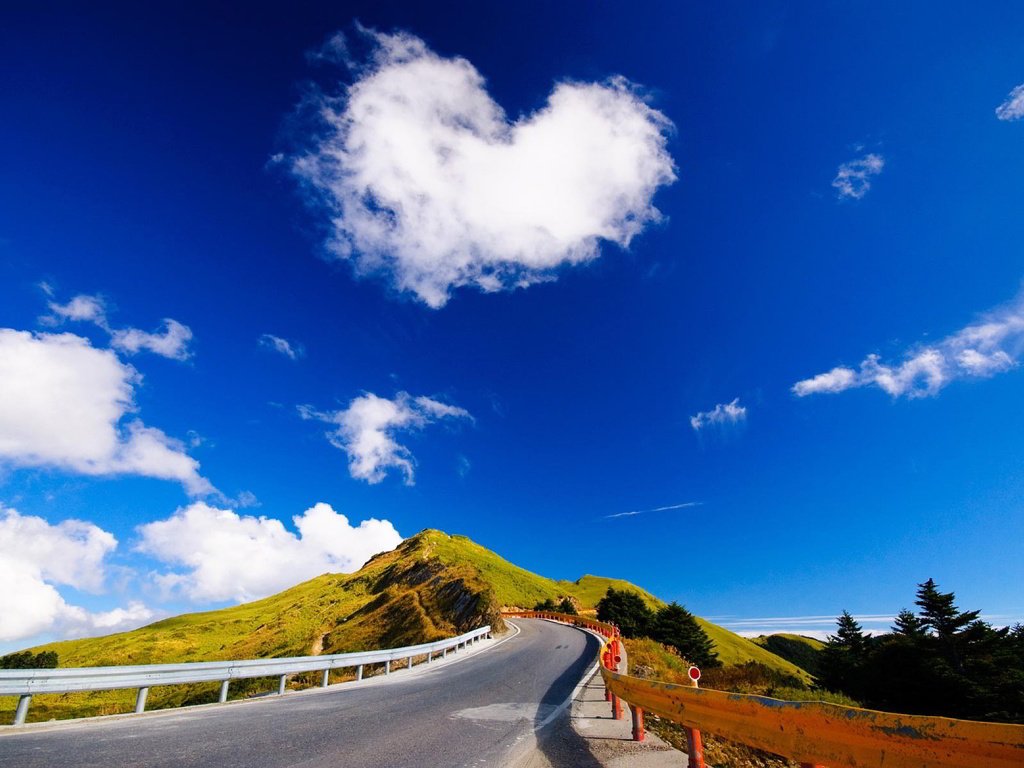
(432, 586)
(799, 649)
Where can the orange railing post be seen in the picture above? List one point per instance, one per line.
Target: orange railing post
(694, 744)
(638, 723)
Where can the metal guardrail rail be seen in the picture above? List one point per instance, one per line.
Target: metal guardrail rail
(25, 683)
(812, 733)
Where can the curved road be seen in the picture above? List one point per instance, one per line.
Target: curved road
(477, 710)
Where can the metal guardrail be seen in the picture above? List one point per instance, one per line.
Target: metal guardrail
(809, 732)
(25, 683)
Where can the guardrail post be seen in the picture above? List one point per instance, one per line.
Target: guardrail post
(140, 700)
(430, 656)
(223, 691)
(410, 662)
(387, 667)
(694, 748)
(444, 653)
(638, 723)
(359, 672)
(22, 711)
(280, 685)
(694, 744)
(616, 707)
(327, 678)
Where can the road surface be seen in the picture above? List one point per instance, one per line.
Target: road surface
(480, 710)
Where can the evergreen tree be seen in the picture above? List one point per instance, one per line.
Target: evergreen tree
(939, 611)
(625, 609)
(841, 659)
(909, 625)
(849, 634)
(546, 605)
(940, 614)
(567, 606)
(675, 626)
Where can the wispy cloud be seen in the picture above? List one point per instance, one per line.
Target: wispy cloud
(684, 505)
(820, 627)
(853, 179)
(287, 348)
(421, 176)
(170, 341)
(1013, 107)
(721, 415)
(980, 350)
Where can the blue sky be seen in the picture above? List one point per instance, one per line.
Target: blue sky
(752, 271)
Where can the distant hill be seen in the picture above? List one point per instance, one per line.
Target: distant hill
(432, 586)
(799, 649)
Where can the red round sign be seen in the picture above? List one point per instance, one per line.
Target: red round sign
(694, 673)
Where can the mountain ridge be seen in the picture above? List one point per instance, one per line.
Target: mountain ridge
(431, 586)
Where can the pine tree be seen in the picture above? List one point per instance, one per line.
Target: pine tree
(567, 606)
(625, 609)
(842, 658)
(940, 614)
(939, 611)
(675, 626)
(849, 634)
(909, 625)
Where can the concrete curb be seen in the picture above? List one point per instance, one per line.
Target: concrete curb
(610, 741)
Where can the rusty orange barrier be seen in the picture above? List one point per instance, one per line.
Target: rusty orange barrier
(814, 734)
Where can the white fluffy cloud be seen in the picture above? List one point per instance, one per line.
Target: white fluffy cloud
(1013, 107)
(64, 403)
(425, 179)
(366, 431)
(980, 350)
(171, 341)
(853, 179)
(227, 556)
(721, 415)
(282, 346)
(37, 557)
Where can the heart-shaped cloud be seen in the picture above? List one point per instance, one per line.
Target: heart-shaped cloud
(427, 181)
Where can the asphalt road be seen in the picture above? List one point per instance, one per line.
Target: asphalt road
(480, 710)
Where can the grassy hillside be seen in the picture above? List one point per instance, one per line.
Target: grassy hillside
(802, 651)
(516, 587)
(402, 597)
(432, 586)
